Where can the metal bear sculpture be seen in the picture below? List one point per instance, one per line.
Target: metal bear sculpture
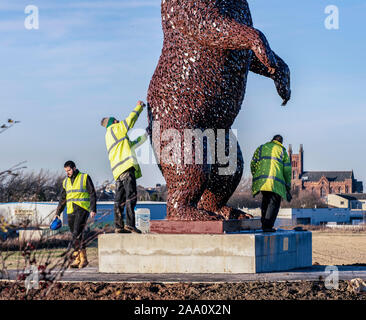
(199, 83)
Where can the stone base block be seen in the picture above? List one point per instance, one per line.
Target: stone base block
(203, 253)
(203, 227)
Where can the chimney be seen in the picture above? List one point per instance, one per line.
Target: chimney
(301, 158)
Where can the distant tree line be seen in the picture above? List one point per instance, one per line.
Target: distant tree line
(159, 193)
(304, 199)
(21, 186)
(243, 198)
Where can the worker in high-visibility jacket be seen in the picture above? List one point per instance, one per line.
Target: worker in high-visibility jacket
(79, 197)
(125, 167)
(271, 171)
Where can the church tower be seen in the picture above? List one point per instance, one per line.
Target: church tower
(297, 162)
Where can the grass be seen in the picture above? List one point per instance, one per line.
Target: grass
(15, 259)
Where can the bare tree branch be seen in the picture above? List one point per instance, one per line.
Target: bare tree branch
(10, 123)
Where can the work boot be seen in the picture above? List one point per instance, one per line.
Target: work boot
(132, 229)
(83, 259)
(119, 230)
(76, 259)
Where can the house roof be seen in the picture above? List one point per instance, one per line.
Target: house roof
(330, 175)
(353, 196)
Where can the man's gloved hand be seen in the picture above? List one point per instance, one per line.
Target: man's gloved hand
(288, 196)
(141, 103)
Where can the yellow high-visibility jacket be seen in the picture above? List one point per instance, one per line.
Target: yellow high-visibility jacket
(121, 151)
(76, 193)
(271, 169)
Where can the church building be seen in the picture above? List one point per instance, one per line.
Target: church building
(321, 182)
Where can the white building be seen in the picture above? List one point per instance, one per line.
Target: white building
(353, 201)
(38, 214)
(315, 216)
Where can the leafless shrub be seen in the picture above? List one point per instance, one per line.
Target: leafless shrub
(13, 171)
(39, 256)
(243, 198)
(33, 187)
(159, 193)
(106, 192)
(304, 199)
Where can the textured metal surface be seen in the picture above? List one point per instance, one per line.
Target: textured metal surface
(199, 83)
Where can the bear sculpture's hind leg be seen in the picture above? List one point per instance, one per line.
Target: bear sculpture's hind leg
(220, 188)
(186, 185)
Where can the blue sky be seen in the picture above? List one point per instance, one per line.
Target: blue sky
(95, 58)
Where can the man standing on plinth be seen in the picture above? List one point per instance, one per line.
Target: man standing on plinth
(125, 168)
(79, 196)
(271, 171)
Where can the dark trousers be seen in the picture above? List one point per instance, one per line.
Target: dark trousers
(271, 203)
(126, 196)
(77, 222)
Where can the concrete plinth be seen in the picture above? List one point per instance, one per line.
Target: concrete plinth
(204, 253)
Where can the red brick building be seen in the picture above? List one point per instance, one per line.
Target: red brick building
(321, 182)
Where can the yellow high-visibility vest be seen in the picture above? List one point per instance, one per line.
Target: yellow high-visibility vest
(271, 169)
(121, 151)
(77, 193)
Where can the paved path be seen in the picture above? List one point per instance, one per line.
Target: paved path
(313, 273)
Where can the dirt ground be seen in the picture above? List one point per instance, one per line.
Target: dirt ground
(303, 290)
(329, 248)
